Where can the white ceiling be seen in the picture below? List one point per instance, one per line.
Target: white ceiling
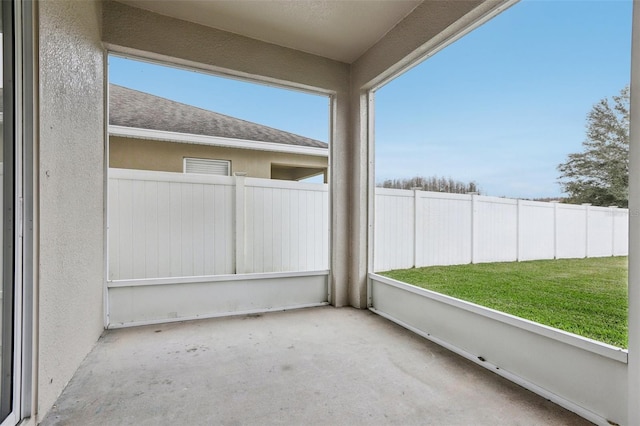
(337, 29)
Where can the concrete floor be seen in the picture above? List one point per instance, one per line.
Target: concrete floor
(320, 366)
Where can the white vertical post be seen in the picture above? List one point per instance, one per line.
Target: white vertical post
(555, 229)
(474, 227)
(518, 230)
(586, 230)
(415, 225)
(612, 210)
(371, 193)
(240, 223)
(633, 378)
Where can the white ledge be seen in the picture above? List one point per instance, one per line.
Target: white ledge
(212, 278)
(594, 346)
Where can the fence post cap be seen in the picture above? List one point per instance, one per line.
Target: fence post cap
(240, 174)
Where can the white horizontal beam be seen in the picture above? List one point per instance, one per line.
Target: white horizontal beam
(212, 278)
(164, 136)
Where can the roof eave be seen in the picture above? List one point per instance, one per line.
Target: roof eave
(165, 136)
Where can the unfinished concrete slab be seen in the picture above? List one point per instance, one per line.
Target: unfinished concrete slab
(319, 366)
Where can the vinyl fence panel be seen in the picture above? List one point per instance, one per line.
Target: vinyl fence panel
(168, 225)
(394, 224)
(571, 231)
(164, 225)
(495, 230)
(599, 231)
(443, 234)
(536, 231)
(620, 232)
(287, 226)
(418, 228)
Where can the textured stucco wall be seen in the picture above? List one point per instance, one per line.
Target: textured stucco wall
(135, 30)
(71, 147)
(138, 32)
(126, 153)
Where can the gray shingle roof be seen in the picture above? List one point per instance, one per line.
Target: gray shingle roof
(131, 108)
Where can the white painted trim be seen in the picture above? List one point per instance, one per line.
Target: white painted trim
(497, 200)
(159, 135)
(371, 190)
(186, 65)
(594, 346)
(212, 278)
(155, 176)
(633, 379)
(285, 184)
(132, 305)
(19, 220)
(11, 420)
(582, 412)
(479, 16)
(220, 315)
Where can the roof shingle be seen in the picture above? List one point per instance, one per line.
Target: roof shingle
(131, 108)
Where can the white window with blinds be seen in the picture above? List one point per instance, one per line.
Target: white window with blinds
(206, 166)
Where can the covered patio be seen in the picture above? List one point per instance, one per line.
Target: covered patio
(322, 366)
(424, 359)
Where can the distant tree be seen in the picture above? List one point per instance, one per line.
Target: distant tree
(434, 183)
(600, 173)
(550, 199)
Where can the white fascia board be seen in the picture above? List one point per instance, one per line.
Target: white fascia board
(159, 135)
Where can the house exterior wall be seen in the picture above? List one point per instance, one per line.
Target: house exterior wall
(70, 192)
(142, 154)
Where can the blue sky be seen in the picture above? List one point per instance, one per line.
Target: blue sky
(502, 106)
(291, 110)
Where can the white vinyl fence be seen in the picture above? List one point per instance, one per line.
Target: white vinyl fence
(164, 225)
(420, 228)
(182, 225)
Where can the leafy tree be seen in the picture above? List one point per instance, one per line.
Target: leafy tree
(434, 183)
(600, 173)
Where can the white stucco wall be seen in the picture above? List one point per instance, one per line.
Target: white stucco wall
(71, 147)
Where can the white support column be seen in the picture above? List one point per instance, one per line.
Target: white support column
(633, 377)
(240, 223)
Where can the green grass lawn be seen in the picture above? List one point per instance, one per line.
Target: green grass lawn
(583, 296)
